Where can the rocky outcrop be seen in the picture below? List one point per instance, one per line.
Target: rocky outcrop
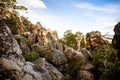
(45, 37)
(116, 39)
(23, 44)
(52, 62)
(13, 65)
(94, 40)
(80, 62)
(53, 55)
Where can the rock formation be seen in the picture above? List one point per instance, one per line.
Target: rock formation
(53, 63)
(53, 56)
(46, 37)
(94, 40)
(116, 39)
(13, 65)
(80, 63)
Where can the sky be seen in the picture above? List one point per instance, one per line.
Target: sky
(76, 15)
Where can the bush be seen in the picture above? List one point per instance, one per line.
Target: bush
(31, 56)
(106, 64)
(73, 67)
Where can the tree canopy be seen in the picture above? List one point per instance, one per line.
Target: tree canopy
(69, 39)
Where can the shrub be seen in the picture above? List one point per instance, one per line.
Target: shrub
(73, 67)
(31, 56)
(106, 63)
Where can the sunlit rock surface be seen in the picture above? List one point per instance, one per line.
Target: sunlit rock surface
(94, 39)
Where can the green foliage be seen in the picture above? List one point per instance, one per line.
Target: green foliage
(31, 56)
(40, 50)
(9, 13)
(10, 6)
(73, 66)
(69, 39)
(44, 52)
(25, 21)
(12, 23)
(106, 63)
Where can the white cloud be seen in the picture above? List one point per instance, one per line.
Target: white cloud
(113, 8)
(108, 28)
(88, 21)
(63, 23)
(89, 15)
(32, 4)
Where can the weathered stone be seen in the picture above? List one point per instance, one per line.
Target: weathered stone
(57, 57)
(27, 77)
(94, 39)
(40, 62)
(86, 53)
(87, 66)
(23, 44)
(117, 29)
(70, 53)
(55, 74)
(45, 37)
(80, 62)
(48, 71)
(33, 29)
(9, 64)
(86, 75)
(116, 38)
(21, 27)
(53, 56)
(28, 68)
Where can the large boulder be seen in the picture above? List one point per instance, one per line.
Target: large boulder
(79, 64)
(85, 75)
(54, 56)
(49, 72)
(94, 39)
(70, 53)
(116, 38)
(56, 75)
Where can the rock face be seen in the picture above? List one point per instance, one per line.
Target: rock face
(53, 62)
(116, 39)
(23, 44)
(46, 37)
(94, 39)
(80, 63)
(13, 65)
(53, 55)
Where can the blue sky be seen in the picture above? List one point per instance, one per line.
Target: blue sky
(76, 15)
